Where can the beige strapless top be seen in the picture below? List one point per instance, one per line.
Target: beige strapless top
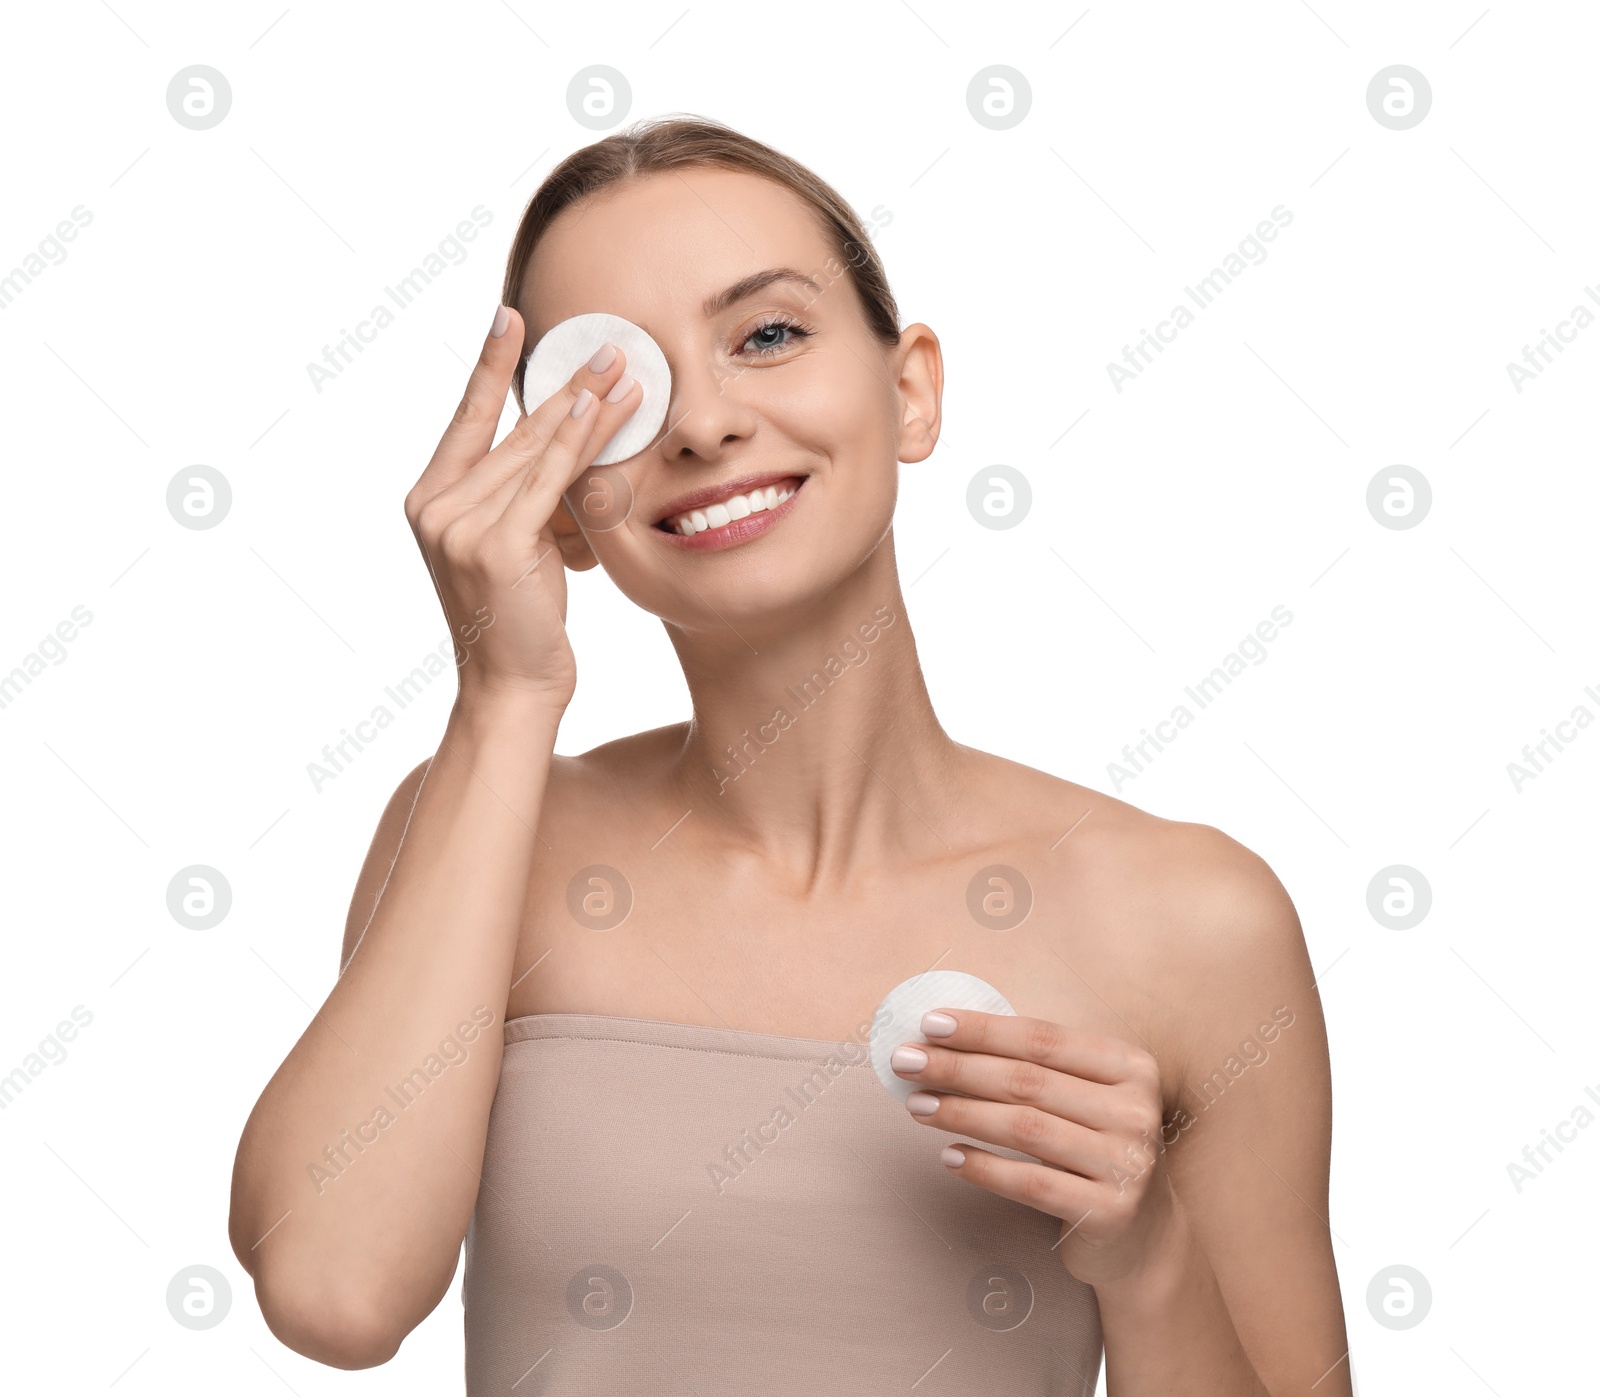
(672, 1209)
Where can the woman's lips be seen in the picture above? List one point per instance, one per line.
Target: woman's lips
(736, 531)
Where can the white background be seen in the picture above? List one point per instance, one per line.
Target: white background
(1229, 478)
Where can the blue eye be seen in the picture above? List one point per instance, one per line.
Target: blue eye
(795, 331)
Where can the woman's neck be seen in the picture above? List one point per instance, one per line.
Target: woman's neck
(814, 740)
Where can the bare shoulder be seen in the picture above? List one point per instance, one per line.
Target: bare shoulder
(1226, 908)
(1204, 877)
(1234, 936)
(595, 785)
(1193, 927)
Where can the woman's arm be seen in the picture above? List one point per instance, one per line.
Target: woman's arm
(357, 1171)
(1248, 1263)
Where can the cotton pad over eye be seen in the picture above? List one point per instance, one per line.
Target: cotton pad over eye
(899, 1018)
(567, 346)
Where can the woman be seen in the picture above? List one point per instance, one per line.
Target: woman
(669, 1165)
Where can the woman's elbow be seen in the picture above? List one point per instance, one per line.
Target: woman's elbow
(341, 1331)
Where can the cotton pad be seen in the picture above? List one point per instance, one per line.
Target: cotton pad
(566, 347)
(899, 1018)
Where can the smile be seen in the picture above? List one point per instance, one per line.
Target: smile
(734, 519)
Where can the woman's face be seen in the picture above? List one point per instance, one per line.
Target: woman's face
(783, 380)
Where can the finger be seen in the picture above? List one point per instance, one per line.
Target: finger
(497, 476)
(535, 493)
(1017, 1081)
(1064, 1143)
(471, 431)
(1062, 1195)
(1095, 1056)
(534, 472)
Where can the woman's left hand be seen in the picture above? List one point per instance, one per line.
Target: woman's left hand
(1088, 1106)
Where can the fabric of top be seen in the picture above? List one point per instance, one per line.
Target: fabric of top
(687, 1211)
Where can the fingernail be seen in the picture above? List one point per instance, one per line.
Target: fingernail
(620, 389)
(922, 1103)
(585, 397)
(908, 1059)
(952, 1156)
(502, 318)
(937, 1025)
(602, 358)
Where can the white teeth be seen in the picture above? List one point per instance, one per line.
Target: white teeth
(736, 507)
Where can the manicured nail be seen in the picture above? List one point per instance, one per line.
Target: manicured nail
(937, 1025)
(952, 1156)
(502, 318)
(585, 398)
(922, 1103)
(602, 358)
(620, 389)
(906, 1058)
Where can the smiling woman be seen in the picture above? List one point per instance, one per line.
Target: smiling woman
(677, 953)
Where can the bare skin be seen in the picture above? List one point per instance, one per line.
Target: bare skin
(786, 897)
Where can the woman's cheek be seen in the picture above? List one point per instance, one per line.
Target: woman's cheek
(836, 416)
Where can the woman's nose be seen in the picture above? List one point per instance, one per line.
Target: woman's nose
(706, 409)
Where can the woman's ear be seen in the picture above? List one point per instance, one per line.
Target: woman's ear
(575, 551)
(921, 387)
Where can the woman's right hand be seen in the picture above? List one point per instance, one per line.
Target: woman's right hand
(482, 519)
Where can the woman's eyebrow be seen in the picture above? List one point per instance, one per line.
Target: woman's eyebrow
(748, 286)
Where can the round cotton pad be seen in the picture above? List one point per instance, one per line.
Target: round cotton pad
(568, 346)
(899, 1018)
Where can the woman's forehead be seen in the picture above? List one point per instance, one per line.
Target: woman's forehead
(669, 246)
